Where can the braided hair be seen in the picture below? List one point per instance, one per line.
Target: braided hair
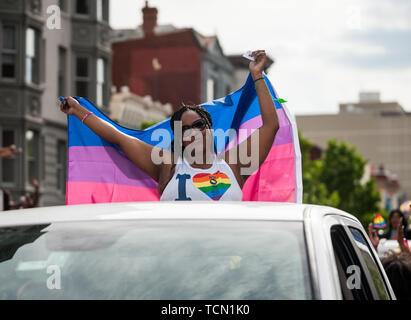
(203, 113)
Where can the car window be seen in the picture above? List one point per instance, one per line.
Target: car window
(369, 260)
(155, 260)
(348, 264)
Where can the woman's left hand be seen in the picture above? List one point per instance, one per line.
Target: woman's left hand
(257, 66)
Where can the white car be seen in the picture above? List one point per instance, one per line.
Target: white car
(181, 250)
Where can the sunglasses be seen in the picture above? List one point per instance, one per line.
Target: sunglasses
(199, 124)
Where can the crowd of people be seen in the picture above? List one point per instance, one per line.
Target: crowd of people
(397, 264)
(29, 199)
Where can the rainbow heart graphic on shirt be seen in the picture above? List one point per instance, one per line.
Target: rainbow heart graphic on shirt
(213, 185)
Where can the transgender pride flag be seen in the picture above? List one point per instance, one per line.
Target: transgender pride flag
(99, 172)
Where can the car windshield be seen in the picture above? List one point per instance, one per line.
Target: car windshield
(163, 259)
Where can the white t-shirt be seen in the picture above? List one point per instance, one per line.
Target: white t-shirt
(193, 184)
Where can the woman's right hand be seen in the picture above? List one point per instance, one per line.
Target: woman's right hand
(69, 105)
(136, 150)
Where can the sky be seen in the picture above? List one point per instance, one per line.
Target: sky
(325, 51)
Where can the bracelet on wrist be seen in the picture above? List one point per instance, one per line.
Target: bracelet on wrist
(262, 78)
(85, 116)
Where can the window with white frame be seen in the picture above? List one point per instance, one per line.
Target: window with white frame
(32, 155)
(210, 89)
(100, 90)
(102, 10)
(99, 4)
(32, 56)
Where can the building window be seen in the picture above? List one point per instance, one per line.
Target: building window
(82, 76)
(82, 7)
(8, 165)
(8, 66)
(9, 37)
(99, 10)
(105, 10)
(62, 5)
(210, 89)
(32, 56)
(9, 52)
(345, 256)
(62, 74)
(102, 10)
(101, 88)
(61, 165)
(32, 155)
(375, 272)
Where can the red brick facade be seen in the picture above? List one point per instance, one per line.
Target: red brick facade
(179, 79)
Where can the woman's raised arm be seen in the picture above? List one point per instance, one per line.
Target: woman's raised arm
(136, 150)
(266, 133)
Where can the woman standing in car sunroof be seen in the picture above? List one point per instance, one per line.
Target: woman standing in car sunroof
(199, 174)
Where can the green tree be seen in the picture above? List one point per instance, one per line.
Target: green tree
(342, 171)
(147, 124)
(335, 180)
(314, 190)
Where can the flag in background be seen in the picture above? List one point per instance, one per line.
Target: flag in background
(379, 222)
(99, 172)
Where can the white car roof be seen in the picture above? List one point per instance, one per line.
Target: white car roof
(196, 210)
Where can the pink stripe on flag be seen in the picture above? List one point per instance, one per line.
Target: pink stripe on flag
(106, 165)
(283, 135)
(275, 179)
(95, 192)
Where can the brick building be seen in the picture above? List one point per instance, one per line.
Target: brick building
(169, 64)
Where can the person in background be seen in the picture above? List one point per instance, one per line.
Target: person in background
(26, 201)
(395, 219)
(404, 247)
(400, 233)
(8, 152)
(397, 266)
